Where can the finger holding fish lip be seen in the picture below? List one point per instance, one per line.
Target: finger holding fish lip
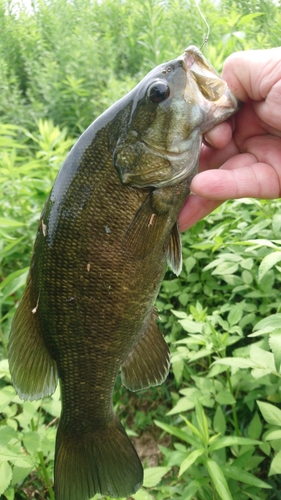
(219, 136)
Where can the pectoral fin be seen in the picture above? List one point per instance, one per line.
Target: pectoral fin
(149, 362)
(174, 251)
(33, 370)
(144, 231)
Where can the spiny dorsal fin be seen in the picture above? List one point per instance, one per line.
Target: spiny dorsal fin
(149, 362)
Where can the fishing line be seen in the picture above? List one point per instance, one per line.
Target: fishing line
(207, 24)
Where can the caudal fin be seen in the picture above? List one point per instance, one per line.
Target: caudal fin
(102, 461)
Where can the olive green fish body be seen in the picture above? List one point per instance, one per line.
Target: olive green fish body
(103, 242)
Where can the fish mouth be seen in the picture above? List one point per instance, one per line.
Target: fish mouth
(149, 180)
(164, 152)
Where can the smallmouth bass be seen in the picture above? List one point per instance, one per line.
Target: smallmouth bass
(107, 231)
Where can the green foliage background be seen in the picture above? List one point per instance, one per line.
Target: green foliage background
(217, 419)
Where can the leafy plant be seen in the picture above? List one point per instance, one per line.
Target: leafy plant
(217, 416)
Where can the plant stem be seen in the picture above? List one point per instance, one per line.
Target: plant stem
(234, 413)
(43, 467)
(46, 475)
(2, 339)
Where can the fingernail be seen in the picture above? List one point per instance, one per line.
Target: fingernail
(207, 141)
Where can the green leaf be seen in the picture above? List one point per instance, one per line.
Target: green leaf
(245, 477)
(265, 331)
(153, 476)
(12, 277)
(189, 263)
(10, 223)
(225, 268)
(232, 441)
(190, 491)
(255, 427)
(10, 493)
(262, 358)
(174, 431)
(219, 480)
(7, 393)
(242, 460)
(235, 362)
(179, 314)
(202, 422)
(235, 314)
(5, 476)
(194, 429)
(275, 467)
(247, 264)
(17, 459)
(270, 413)
(7, 434)
(268, 262)
(202, 353)
(4, 368)
(276, 224)
(140, 495)
(15, 285)
(275, 345)
(31, 441)
(190, 460)
(183, 404)
(273, 435)
(247, 277)
(225, 398)
(273, 321)
(219, 422)
(191, 326)
(20, 473)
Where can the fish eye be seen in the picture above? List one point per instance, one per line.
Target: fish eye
(158, 92)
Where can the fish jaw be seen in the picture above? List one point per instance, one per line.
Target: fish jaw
(211, 92)
(161, 143)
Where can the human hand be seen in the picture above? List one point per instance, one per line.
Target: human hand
(247, 148)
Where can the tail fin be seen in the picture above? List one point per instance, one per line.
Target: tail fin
(102, 461)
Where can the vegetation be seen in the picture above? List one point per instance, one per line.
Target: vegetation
(217, 419)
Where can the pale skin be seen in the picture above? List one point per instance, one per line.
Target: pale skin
(244, 155)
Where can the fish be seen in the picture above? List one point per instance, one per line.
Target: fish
(106, 234)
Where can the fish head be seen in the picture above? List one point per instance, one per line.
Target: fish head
(171, 108)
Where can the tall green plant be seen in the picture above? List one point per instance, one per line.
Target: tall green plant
(68, 61)
(218, 412)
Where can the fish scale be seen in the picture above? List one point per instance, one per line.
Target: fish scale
(107, 231)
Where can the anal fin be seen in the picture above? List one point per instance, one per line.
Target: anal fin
(174, 251)
(33, 370)
(149, 362)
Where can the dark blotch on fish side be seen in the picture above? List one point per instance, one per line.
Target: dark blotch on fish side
(107, 231)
